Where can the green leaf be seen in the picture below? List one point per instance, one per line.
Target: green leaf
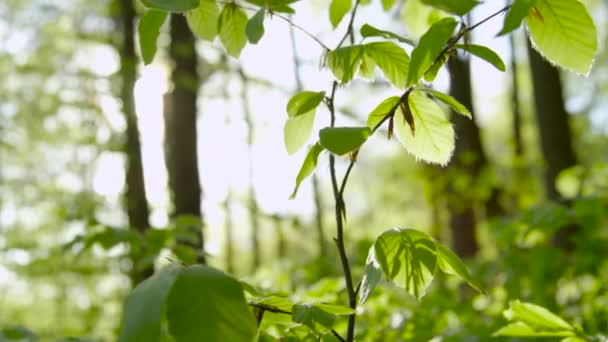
(171, 5)
(255, 27)
(450, 101)
(367, 69)
(432, 72)
(206, 302)
(434, 139)
(309, 165)
(303, 102)
(297, 130)
(428, 50)
(344, 62)
(310, 315)
(536, 317)
(231, 27)
(407, 257)
(387, 4)
(203, 20)
(521, 329)
(342, 140)
(450, 263)
(381, 111)
(370, 31)
(516, 15)
(149, 29)
(144, 307)
(458, 7)
(333, 309)
(563, 32)
(337, 11)
(371, 276)
(391, 59)
(484, 53)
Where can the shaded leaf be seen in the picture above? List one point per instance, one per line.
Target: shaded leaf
(371, 31)
(458, 7)
(311, 315)
(342, 140)
(307, 168)
(484, 53)
(148, 31)
(516, 15)
(171, 5)
(255, 27)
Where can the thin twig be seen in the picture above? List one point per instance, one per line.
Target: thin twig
(349, 29)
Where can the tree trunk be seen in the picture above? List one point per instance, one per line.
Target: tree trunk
(135, 192)
(228, 228)
(469, 158)
(180, 133)
(553, 129)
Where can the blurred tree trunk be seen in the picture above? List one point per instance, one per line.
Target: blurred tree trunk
(553, 129)
(252, 204)
(228, 228)
(135, 192)
(470, 159)
(180, 133)
(516, 110)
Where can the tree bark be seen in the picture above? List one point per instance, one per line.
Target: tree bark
(181, 155)
(135, 192)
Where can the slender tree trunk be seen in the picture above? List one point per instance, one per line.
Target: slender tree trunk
(469, 157)
(252, 204)
(135, 194)
(281, 242)
(228, 228)
(553, 129)
(518, 145)
(180, 133)
(316, 189)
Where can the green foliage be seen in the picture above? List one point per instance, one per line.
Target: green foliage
(172, 5)
(149, 29)
(430, 47)
(304, 102)
(337, 10)
(255, 27)
(371, 31)
(203, 20)
(301, 110)
(382, 110)
(309, 165)
(563, 32)
(515, 16)
(344, 62)
(484, 53)
(343, 140)
(529, 320)
(450, 101)
(458, 7)
(231, 26)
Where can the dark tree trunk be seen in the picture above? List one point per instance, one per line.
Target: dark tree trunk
(180, 132)
(469, 157)
(553, 129)
(135, 192)
(518, 145)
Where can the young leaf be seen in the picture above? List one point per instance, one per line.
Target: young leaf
(458, 7)
(428, 50)
(407, 257)
(148, 30)
(381, 111)
(344, 62)
(297, 130)
(339, 310)
(387, 4)
(310, 315)
(342, 140)
(231, 26)
(563, 32)
(337, 11)
(521, 329)
(432, 72)
(391, 59)
(171, 5)
(144, 307)
(484, 53)
(370, 31)
(450, 263)
(206, 302)
(530, 320)
(434, 140)
(303, 102)
(309, 165)
(255, 27)
(367, 68)
(203, 20)
(371, 276)
(450, 101)
(516, 15)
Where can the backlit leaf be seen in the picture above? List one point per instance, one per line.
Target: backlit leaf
(231, 27)
(344, 62)
(458, 7)
(450, 101)
(297, 131)
(380, 112)
(516, 15)
(307, 168)
(337, 11)
(391, 59)
(484, 53)
(303, 102)
(203, 20)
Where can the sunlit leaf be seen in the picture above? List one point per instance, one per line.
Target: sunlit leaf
(171, 5)
(148, 30)
(563, 32)
(297, 131)
(303, 102)
(381, 111)
(387, 4)
(530, 320)
(516, 15)
(333, 309)
(428, 50)
(450, 101)
(371, 276)
(203, 20)
(344, 62)
(371, 31)
(206, 302)
(484, 53)
(458, 7)
(391, 59)
(342, 140)
(337, 11)
(255, 27)
(434, 139)
(307, 168)
(450, 263)
(231, 28)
